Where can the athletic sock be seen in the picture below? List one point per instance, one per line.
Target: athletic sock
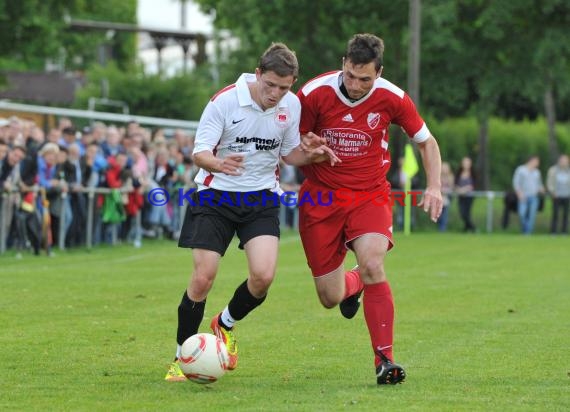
(379, 315)
(190, 315)
(243, 302)
(352, 283)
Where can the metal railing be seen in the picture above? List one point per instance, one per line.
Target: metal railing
(91, 197)
(94, 115)
(489, 196)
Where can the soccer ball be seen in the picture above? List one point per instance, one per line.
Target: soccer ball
(203, 358)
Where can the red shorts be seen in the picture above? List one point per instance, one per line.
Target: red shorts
(329, 220)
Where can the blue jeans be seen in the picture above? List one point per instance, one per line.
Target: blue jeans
(527, 213)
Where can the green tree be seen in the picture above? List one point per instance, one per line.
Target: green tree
(29, 31)
(542, 55)
(490, 52)
(83, 46)
(35, 31)
(315, 29)
(466, 66)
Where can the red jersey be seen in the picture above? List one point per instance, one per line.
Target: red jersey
(356, 131)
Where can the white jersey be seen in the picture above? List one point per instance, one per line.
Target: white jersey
(233, 123)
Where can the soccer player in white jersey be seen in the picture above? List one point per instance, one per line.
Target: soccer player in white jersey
(243, 132)
(351, 111)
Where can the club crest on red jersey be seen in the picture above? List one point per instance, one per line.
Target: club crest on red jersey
(282, 117)
(373, 120)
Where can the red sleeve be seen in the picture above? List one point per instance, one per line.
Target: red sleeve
(408, 117)
(308, 113)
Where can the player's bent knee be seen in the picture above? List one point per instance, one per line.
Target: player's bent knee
(372, 271)
(261, 282)
(201, 285)
(371, 266)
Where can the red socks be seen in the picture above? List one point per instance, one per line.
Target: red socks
(379, 315)
(352, 283)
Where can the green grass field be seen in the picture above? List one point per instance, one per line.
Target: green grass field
(483, 323)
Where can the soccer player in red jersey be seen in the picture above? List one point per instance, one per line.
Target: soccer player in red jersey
(351, 110)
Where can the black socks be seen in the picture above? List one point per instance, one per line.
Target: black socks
(243, 302)
(190, 315)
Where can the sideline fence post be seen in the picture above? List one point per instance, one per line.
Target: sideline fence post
(138, 230)
(4, 200)
(89, 235)
(490, 201)
(61, 229)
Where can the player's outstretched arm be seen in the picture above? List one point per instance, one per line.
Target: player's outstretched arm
(432, 200)
(313, 149)
(300, 156)
(312, 141)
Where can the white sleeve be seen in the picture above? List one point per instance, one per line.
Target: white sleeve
(422, 135)
(210, 129)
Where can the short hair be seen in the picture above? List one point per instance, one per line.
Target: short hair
(19, 147)
(69, 131)
(278, 58)
(49, 148)
(365, 48)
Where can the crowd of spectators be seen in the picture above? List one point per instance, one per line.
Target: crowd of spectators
(47, 182)
(47, 178)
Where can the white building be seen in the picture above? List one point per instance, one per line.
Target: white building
(167, 15)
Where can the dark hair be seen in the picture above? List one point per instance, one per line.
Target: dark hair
(472, 172)
(365, 48)
(20, 148)
(69, 131)
(279, 59)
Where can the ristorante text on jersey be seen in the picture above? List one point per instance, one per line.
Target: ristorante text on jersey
(340, 197)
(347, 142)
